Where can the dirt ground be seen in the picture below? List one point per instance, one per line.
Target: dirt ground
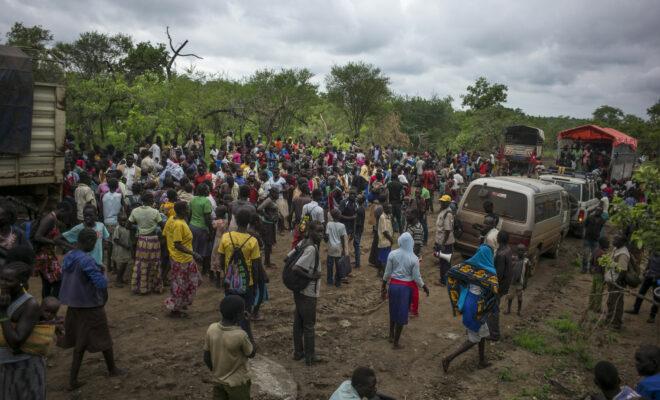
(545, 354)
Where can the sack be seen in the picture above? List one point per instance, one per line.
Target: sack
(291, 280)
(38, 343)
(631, 277)
(304, 221)
(236, 277)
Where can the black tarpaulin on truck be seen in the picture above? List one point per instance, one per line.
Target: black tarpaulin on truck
(16, 92)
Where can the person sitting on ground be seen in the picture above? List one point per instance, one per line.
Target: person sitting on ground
(226, 350)
(606, 377)
(362, 385)
(647, 362)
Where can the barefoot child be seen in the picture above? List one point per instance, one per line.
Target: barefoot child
(121, 249)
(519, 281)
(84, 290)
(220, 225)
(226, 350)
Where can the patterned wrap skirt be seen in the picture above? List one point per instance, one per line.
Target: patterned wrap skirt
(23, 380)
(146, 272)
(186, 278)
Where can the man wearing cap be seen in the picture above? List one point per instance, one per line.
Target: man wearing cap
(444, 236)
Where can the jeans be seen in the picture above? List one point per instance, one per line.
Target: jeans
(588, 247)
(396, 218)
(445, 265)
(648, 283)
(304, 320)
(614, 306)
(357, 239)
(425, 228)
(337, 275)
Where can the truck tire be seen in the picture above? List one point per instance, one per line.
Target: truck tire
(556, 249)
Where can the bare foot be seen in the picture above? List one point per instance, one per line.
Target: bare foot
(484, 364)
(117, 372)
(445, 365)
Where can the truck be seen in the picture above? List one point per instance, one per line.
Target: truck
(520, 142)
(32, 133)
(614, 150)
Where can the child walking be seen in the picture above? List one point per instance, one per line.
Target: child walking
(122, 249)
(519, 278)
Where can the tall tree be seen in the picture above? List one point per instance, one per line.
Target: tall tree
(95, 53)
(425, 121)
(359, 90)
(146, 57)
(483, 94)
(608, 116)
(278, 99)
(35, 42)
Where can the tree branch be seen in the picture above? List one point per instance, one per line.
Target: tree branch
(176, 53)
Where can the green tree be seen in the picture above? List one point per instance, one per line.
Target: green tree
(359, 89)
(95, 53)
(483, 94)
(146, 57)
(425, 121)
(276, 100)
(608, 116)
(35, 41)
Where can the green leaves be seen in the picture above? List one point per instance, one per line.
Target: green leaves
(483, 94)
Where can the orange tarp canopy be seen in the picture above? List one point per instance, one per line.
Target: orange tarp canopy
(595, 132)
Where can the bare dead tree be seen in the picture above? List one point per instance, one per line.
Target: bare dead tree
(176, 53)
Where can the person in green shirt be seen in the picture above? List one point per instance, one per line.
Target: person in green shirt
(201, 224)
(146, 273)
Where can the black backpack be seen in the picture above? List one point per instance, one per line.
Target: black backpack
(293, 281)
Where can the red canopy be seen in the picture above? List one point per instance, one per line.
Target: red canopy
(595, 132)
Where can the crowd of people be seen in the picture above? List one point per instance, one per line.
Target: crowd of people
(165, 217)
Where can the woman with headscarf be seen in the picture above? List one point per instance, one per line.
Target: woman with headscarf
(473, 289)
(402, 272)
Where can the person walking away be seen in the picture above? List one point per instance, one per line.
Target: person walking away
(112, 207)
(240, 258)
(385, 240)
(83, 195)
(146, 271)
(85, 292)
(503, 266)
(520, 264)
(220, 225)
(395, 190)
(444, 236)
(613, 273)
(336, 237)
(402, 272)
(226, 350)
(592, 228)
(476, 305)
(414, 228)
(184, 273)
(201, 225)
(651, 277)
(46, 238)
(360, 215)
(22, 375)
(269, 215)
(598, 276)
(304, 317)
(420, 205)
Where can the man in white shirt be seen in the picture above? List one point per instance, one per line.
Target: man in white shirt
(130, 172)
(458, 180)
(155, 152)
(336, 237)
(214, 152)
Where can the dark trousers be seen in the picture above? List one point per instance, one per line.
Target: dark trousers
(337, 273)
(425, 228)
(357, 240)
(396, 218)
(445, 265)
(614, 315)
(493, 321)
(50, 289)
(588, 247)
(304, 320)
(648, 283)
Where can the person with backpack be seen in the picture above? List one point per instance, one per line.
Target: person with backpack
(311, 211)
(240, 257)
(303, 267)
(444, 236)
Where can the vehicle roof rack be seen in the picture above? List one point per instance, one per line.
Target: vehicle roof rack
(567, 171)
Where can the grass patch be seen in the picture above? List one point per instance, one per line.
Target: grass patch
(564, 325)
(539, 393)
(506, 375)
(531, 341)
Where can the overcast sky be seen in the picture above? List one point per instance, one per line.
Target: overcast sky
(557, 57)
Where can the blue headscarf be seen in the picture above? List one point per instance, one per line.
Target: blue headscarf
(483, 259)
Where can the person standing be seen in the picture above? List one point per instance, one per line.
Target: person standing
(358, 229)
(146, 272)
(396, 191)
(304, 317)
(620, 257)
(504, 268)
(651, 277)
(112, 207)
(385, 240)
(444, 236)
(46, 237)
(592, 228)
(201, 224)
(597, 276)
(402, 272)
(23, 376)
(84, 291)
(185, 276)
(83, 195)
(336, 237)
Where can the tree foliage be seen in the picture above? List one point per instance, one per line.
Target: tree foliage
(35, 42)
(359, 89)
(427, 122)
(483, 94)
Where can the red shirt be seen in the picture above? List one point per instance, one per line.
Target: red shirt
(429, 179)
